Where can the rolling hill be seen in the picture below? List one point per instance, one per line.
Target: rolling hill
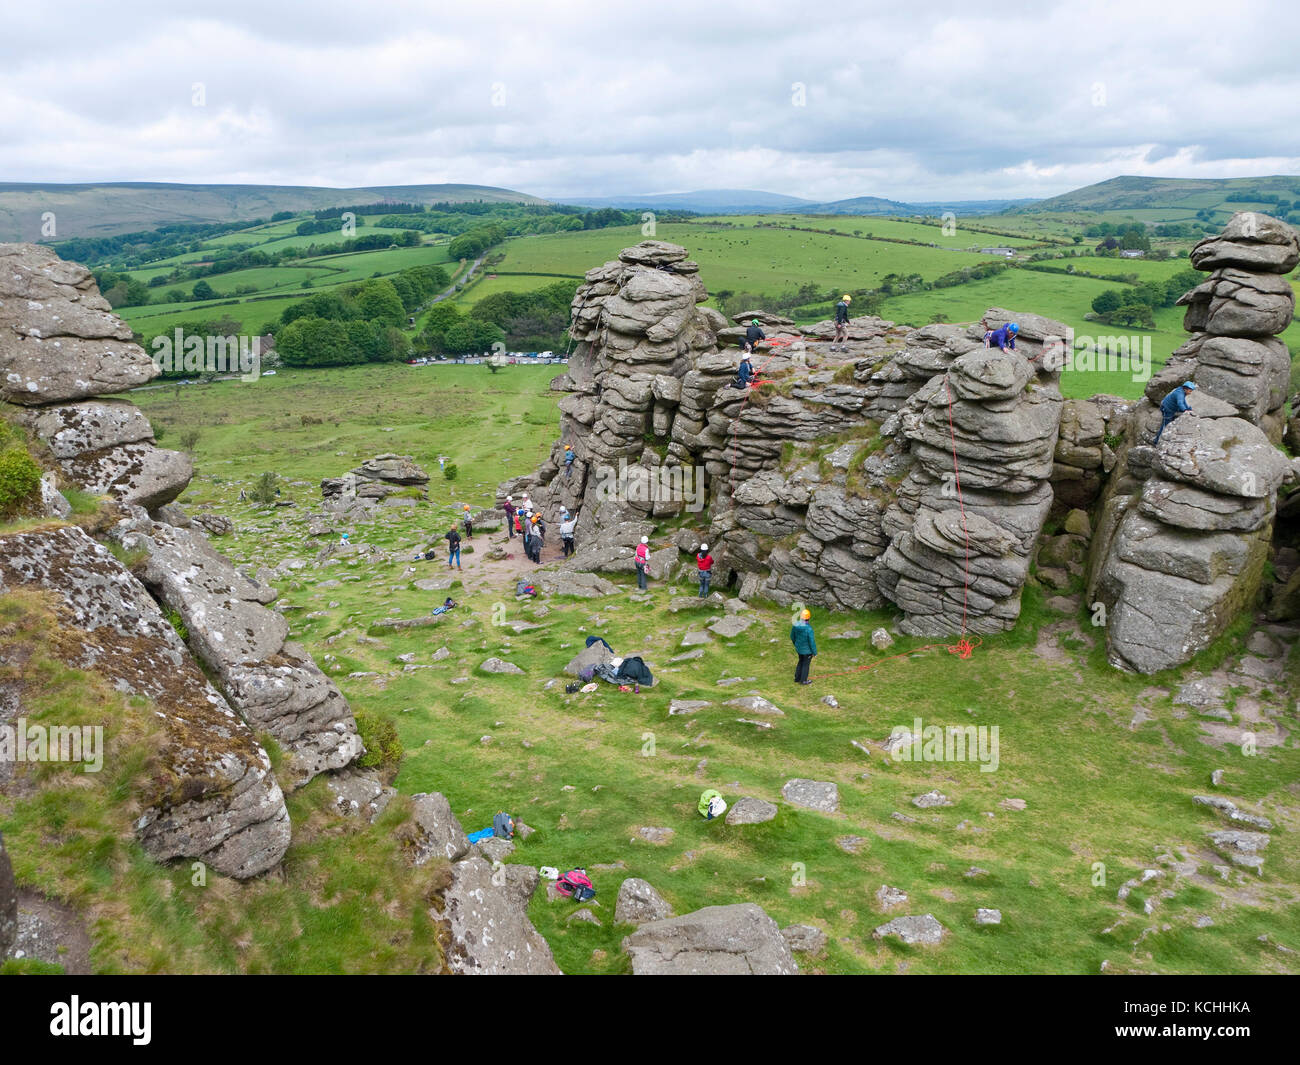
(104, 210)
(1175, 198)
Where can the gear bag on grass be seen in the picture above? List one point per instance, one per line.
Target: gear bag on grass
(503, 825)
(524, 588)
(577, 885)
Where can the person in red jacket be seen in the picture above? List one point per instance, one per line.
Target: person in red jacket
(642, 561)
(704, 568)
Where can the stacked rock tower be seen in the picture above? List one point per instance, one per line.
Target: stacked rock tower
(1184, 528)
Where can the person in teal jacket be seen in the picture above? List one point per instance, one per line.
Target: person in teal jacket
(805, 646)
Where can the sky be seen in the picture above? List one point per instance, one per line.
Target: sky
(920, 101)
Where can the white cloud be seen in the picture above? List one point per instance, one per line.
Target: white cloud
(921, 101)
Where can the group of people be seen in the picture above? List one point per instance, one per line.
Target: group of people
(526, 521)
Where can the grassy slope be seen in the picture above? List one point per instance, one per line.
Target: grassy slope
(1097, 791)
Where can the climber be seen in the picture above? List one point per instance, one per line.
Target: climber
(805, 646)
(753, 335)
(568, 461)
(453, 547)
(704, 568)
(1173, 405)
(842, 322)
(1004, 338)
(567, 525)
(469, 524)
(744, 374)
(509, 507)
(642, 562)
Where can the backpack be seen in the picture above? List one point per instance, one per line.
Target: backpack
(525, 588)
(577, 885)
(503, 825)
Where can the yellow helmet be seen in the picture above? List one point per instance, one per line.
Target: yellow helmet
(805, 615)
(848, 298)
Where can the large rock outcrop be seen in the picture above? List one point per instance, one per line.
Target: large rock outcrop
(214, 797)
(63, 357)
(973, 504)
(273, 683)
(1184, 525)
(659, 434)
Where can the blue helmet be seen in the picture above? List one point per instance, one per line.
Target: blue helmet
(1013, 328)
(1190, 385)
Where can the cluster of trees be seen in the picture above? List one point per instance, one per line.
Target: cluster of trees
(359, 209)
(1119, 236)
(121, 290)
(523, 321)
(311, 228)
(136, 249)
(473, 242)
(1135, 306)
(356, 323)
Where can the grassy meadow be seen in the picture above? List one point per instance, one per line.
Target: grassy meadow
(1106, 794)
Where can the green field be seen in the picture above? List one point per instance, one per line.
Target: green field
(758, 258)
(1104, 799)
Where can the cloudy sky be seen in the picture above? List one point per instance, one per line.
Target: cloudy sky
(922, 100)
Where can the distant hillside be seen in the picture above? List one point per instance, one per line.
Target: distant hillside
(103, 210)
(704, 201)
(1178, 197)
(751, 201)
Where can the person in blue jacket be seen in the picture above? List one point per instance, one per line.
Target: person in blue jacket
(805, 646)
(744, 373)
(1173, 405)
(1004, 338)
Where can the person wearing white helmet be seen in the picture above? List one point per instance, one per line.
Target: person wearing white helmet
(567, 525)
(703, 568)
(842, 322)
(642, 562)
(1173, 405)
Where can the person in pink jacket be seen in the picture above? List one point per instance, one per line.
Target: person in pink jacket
(642, 562)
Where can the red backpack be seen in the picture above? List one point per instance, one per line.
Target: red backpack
(577, 885)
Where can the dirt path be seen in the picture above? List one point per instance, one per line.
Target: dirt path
(479, 573)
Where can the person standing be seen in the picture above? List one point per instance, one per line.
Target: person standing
(703, 569)
(1173, 405)
(509, 507)
(469, 524)
(642, 562)
(453, 547)
(526, 530)
(805, 646)
(567, 526)
(539, 538)
(842, 322)
(568, 461)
